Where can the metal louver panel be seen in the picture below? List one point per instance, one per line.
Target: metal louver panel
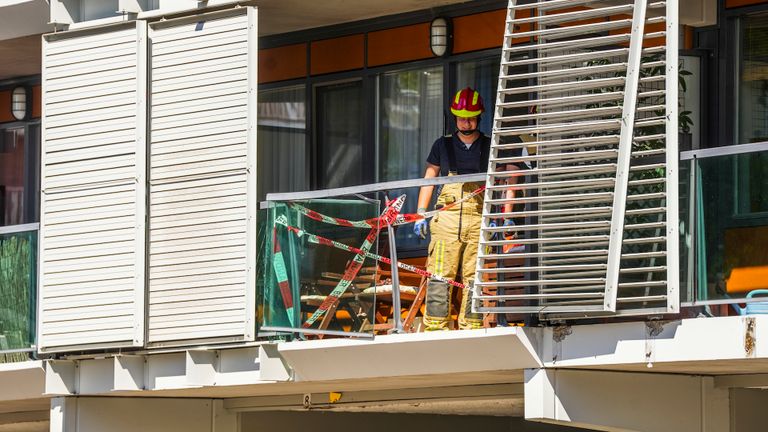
(202, 237)
(92, 211)
(593, 93)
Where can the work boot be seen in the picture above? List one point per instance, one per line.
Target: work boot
(437, 316)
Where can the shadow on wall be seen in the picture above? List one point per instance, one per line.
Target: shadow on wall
(381, 422)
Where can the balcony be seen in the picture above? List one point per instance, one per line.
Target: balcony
(723, 263)
(18, 282)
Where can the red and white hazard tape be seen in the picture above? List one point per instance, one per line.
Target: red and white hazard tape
(314, 238)
(400, 219)
(354, 266)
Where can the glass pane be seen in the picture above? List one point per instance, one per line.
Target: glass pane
(752, 183)
(18, 273)
(300, 272)
(411, 120)
(12, 177)
(483, 76)
(731, 256)
(753, 80)
(282, 141)
(340, 134)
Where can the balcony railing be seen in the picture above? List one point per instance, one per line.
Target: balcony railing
(325, 263)
(18, 282)
(725, 210)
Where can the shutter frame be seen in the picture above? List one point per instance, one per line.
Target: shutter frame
(106, 332)
(200, 314)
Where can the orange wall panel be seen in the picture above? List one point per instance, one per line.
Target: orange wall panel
(338, 54)
(687, 37)
(479, 31)
(5, 106)
(399, 44)
(282, 63)
(740, 3)
(485, 30)
(37, 101)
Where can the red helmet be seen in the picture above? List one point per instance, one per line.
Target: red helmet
(467, 103)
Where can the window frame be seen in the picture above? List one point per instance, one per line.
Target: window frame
(32, 158)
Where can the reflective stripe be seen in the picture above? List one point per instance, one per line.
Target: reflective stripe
(440, 257)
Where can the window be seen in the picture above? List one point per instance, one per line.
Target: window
(410, 120)
(282, 140)
(483, 76)
(19, 180)
(340, 117)
(752, 79)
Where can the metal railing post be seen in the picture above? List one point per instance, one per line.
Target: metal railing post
(397, 322)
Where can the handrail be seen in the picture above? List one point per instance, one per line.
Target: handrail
(724, 151)
(13, 229)
(373, 187)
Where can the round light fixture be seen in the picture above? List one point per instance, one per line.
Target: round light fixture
(439, 36)
(19, 103)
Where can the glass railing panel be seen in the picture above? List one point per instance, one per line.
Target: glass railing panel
(311, 287)
(731, 230)
(18, 282)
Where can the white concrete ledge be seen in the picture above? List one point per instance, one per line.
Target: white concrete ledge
(495, 349)
(22, 380)
(700, 346)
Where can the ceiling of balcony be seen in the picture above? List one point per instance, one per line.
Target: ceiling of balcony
(283, 16)
(22, 21)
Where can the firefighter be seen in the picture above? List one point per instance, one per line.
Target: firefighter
(455, 231)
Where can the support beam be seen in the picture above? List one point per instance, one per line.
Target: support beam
(626, 401)
(489, 399)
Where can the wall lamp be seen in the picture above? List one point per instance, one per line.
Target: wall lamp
(20, 103)
(440, 36)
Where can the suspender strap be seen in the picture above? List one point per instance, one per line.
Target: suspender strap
(451, 153)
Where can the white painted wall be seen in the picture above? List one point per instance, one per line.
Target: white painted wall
(118, 414)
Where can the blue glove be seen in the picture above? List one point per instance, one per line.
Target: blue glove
(420, 228)
(509, 222)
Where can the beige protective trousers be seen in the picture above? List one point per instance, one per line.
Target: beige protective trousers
(453, 252)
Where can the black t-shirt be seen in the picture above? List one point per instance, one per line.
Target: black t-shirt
(470, 160)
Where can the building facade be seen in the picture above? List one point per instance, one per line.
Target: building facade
(152, 154)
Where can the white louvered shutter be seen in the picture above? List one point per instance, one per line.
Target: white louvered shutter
(93, 189)
(202, 237)
(594, 91)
